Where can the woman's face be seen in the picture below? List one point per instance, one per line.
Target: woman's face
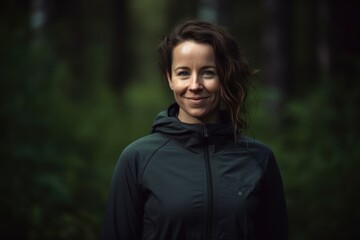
(195, 82)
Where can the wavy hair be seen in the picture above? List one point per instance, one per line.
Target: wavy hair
(232, 67)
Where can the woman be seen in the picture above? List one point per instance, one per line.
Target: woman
(196, 176)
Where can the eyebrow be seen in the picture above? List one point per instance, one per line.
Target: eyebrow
(187, 68)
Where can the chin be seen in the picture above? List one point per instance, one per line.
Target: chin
(202, 115)
(198, 113)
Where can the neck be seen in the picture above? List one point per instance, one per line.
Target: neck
(210, 118)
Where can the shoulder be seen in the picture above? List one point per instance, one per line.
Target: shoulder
(254, 145)
(144, 146)
(136, 155)
(257, 150)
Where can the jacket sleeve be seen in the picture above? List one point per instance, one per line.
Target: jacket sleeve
(272, 219)
(123, 215)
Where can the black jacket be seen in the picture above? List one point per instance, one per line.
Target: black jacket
(192, 181)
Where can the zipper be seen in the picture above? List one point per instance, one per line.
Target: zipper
(209, 223)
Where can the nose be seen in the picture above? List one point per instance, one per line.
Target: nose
(195, 83)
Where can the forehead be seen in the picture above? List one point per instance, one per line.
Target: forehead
(193, 51)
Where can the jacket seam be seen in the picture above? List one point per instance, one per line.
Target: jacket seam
(253, 156)
(151, 156)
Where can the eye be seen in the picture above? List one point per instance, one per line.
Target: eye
(183, 74)
(208, 74)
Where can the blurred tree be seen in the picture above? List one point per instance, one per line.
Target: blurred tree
(122, 63)
(55, 107)
(178, 10)
(278, 52)
(13, 114)
(321, 137)
(209, 10)
(80, 30)
(308, 31)
(344, 69)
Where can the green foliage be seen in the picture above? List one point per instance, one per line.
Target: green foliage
(318, 155)
(60, 150)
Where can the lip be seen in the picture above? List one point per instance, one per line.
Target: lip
(196, 98)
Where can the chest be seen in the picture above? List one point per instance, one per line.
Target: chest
(181, 185)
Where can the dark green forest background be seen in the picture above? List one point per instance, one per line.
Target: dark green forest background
(79, 81)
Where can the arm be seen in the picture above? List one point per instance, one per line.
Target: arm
(124, 210)
(272, 221)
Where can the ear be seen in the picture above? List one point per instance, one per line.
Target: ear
(168, 76)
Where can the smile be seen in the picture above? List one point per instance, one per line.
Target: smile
(196, 98)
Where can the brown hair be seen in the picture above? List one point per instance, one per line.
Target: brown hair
(232, 67)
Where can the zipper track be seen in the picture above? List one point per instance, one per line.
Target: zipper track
(209, 224)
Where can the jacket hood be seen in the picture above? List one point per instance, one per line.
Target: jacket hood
(193, 135)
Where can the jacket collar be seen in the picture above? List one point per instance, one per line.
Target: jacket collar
(193, 136)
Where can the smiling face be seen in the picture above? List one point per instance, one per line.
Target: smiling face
(195, 82)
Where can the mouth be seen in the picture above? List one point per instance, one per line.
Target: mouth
(196, 98)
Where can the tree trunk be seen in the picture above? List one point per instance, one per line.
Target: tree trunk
(121, 60)
(277, 40)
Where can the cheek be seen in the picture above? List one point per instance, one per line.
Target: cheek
(178, 87)
(215, 88)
